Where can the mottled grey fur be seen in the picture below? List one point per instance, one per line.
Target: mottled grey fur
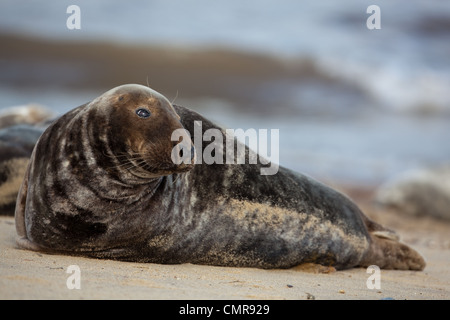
(86, 193)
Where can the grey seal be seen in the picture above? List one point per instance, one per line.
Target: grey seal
(16, 145)
(20, 128)
(420, 192)
(31, 114)
(101, 183)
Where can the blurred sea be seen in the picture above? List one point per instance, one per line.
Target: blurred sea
(381, 107)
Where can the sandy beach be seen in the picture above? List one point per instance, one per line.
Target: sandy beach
(33, 275)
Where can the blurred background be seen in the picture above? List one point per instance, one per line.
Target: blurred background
(354, 106)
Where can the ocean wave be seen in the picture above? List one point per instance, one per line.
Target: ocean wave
(396, 89)
(403, 67)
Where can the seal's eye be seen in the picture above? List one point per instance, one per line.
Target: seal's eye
(143, 113)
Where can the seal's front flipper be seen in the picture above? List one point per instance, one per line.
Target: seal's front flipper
(22, 240)
(24, 243)
(20, 206)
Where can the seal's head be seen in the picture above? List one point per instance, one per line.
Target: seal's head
(94, 170)
(139, 127)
